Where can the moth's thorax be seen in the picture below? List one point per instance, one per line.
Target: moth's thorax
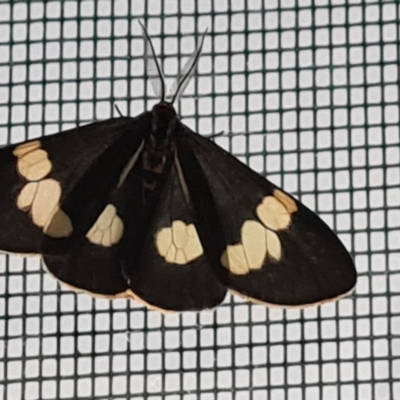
(159, 147)
(164, 122)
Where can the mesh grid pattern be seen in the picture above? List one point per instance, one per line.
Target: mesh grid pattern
(311, 88)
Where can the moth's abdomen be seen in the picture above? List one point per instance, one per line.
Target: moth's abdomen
(154, 165)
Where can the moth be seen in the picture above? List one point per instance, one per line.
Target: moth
(144, 208)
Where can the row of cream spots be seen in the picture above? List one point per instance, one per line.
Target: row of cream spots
(41, 200)
(258, 240)
(180, 244)
(40, 197)
(257, 243)
(33, 162)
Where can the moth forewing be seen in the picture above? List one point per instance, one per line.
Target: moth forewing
(172, 270)
(43, 171)
(299, 260)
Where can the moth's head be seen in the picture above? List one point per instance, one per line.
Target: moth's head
(155, 73)
(164, 110)
(164, 118)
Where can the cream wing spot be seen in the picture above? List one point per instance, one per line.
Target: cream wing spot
(288, 202)
(179, 234)
(59, 225)
(180, 257)
(251, 253)
(106, 217)
(273, 245)
(108, 228)
(41, 197)
(273, 214)
(96, 235)
(26, 196)
(254, 243)
(26, 148)
(178, 244)
(46, 200)
(164, 241)
(234, 259)
(171, 254)
(106, 238)
(117, 229)
(193, 247)
(34, 165)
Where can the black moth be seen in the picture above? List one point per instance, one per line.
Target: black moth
(145, 208)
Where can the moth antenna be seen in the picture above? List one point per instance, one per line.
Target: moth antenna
(188, 71)
(227, 134)
(214, 135)
(153, 69)
(118, 110)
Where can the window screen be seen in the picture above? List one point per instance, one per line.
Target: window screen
(306, 92)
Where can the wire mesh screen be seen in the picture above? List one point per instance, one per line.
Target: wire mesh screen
(306, 92)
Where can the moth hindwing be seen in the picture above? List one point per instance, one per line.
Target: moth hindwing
(144, 208)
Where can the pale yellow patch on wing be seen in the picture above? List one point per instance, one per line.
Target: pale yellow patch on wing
(96, 236)
(257, 242)
(41, 197)
(46, 200)
(163, 241)
(254, 243)
(108, 229)
(59, 225)
(274, 248)
(34, 165)
(106, 241)
(179, 234)
(178, 244)
(273, 213)
(171, 254)
(26, 148)
(234, 259)
(193, 246)
(180, 257)
(288, 202)
(117, 227)
(26, 196)
(250, 253)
